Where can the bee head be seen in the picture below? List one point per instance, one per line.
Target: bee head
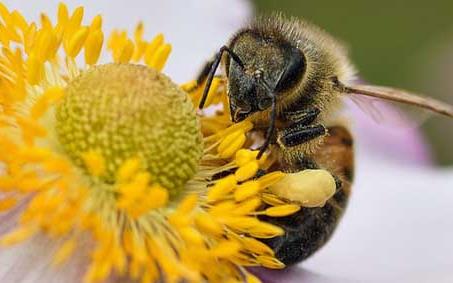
(261, 66)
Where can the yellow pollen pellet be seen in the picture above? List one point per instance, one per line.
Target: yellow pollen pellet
(93, 47)
(94, 162)
(247, 190)
(247, 171)
(77, 41)
(310, 188)
(128, 169)
(244, 156)
(160, 58)
(282, 210)
(221, 188)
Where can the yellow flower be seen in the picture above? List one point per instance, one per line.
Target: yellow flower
(116, 154)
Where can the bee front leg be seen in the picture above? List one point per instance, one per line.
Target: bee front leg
(301, 128)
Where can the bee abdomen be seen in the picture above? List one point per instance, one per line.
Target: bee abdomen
(309, 229)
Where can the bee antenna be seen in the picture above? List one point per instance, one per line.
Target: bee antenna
(271, 129)
(214, 66)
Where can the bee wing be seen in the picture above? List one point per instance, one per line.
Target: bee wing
(401, 96)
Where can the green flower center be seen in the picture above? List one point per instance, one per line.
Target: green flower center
(127, 111)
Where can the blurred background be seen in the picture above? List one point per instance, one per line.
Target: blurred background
(406, 44)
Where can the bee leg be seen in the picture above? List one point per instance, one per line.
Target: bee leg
(304, 117)
(310, 228)
(298, 133)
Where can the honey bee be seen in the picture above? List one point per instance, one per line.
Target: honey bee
(288, 77)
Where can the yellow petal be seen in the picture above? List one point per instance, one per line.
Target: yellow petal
(94, 162)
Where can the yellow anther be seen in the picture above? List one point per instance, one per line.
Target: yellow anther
(270, 262)
(160, 58)
(213, 91)
(191, 236)
(241, 223)
(94, 162)
(247, 190)
(138, 33)
(77, 41)
(207, 224)
(244, 156)
(96, 23)
(76, 19)
(250, 278)
(310, 188)
(265, 230)
(63, 14)
(157, 197)
(247, 206)
(271, 178)
(64, 252)
(152, 48)
(7, 203)
(188, 86)
(41, 105)
(247, 171)
(93, 47)
(231, 143)
(35, 70)
(17, 236)
(125, 53)
(256, 246)
(46, 45)
(225, 249)
(128, 169)
(30, 129)
(187, 204)
(282, 210)
(19, 21)
(223, 187)
(33, 154)
(272, 199)
(45, 22)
